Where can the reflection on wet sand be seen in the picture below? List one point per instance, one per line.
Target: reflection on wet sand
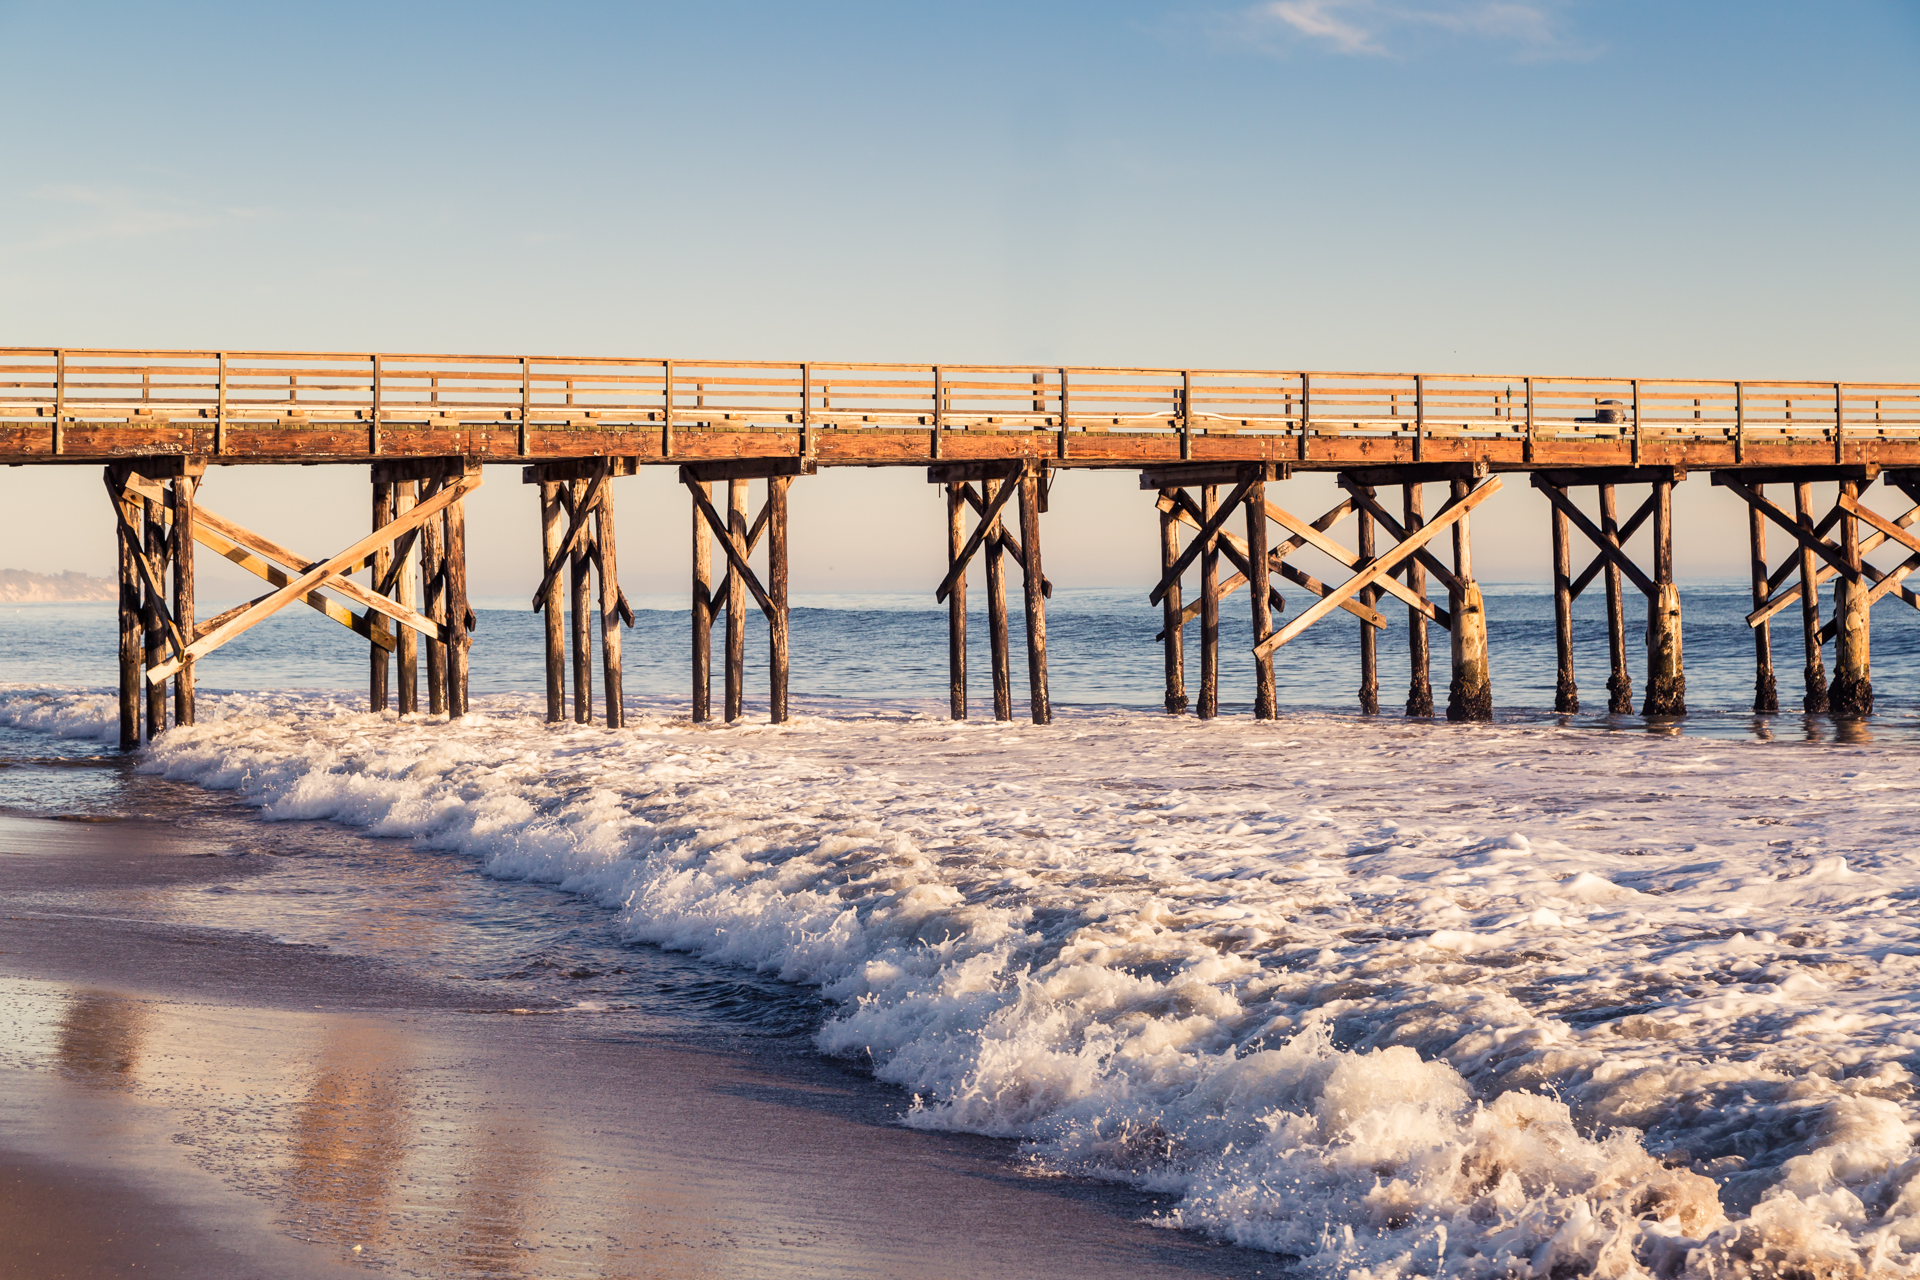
(100, 1039)
(349, 1133)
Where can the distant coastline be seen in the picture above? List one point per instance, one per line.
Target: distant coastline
(18, 586)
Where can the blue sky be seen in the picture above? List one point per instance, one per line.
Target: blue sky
(1697, 189)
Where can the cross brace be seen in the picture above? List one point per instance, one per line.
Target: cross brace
(1610, 548)
(1455, 511)
(324, 574)
(735, 555)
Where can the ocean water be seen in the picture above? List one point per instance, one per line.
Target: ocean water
(1553, 996)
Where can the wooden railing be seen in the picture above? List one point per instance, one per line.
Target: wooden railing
(97, 387)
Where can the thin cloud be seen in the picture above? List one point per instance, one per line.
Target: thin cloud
(1527, 30)
(86, 214)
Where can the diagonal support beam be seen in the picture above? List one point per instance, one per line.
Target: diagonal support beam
(1449, 515)
(1891, 530)
(738, 561)
(987, 517)
(1558, 497)
(1398, 531)
(1627, 530)
(1327, 546)
(1236, 550)
(1208, 532)
(153, 577)
(1183, 507)
(1008, 542)
(1791, 596)
(576, 525)
(313, 577)
(260, 556)
(1766, 507)
(717, 597)
(357, 623)
(207, 522)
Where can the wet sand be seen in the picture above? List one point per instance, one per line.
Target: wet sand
(199, 1102)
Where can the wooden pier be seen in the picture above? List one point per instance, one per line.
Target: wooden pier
(1212, 447)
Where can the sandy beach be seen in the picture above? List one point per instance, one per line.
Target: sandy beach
(195, 1102)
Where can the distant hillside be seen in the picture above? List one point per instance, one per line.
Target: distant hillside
(17, 586)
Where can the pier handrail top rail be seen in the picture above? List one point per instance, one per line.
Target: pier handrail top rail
(413, 357)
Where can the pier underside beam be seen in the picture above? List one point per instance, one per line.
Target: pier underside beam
(989, 488)
(1666, 686)
(738, 537)
(1817, 558)
(580, 496)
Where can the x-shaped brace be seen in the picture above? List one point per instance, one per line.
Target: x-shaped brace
(325, 574)
(989, 517)
(1382, 566)
(1836, 561)
(736, 556)
(1610, 548)
(1008, 542)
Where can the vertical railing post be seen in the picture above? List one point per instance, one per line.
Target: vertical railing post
(60, 409)
(806, 409)
(1306, 412)
(1839, 423)
(1419, 414)
(666, 428)
(1527, 448)
(1636, 422)
(1063, 415)
(373, 415)
(1740, 424)
(526, 405)
(1186, 414)
(220, 410)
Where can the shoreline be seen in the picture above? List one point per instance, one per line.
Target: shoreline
(210, 1103)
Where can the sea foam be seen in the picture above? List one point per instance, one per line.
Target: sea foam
(1393, 999)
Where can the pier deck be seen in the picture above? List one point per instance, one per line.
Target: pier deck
(70, 405)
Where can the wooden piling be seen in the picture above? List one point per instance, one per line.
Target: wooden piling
(1259, 588)
(956, 605)
(378, 666)
(184, 488)
(1566, 691)
(1470, 692)
(702, 611)
(459, 610)
(612, 687)
(127, 523)
(1209, 609)
(1369, 648)
(552, 533)
(151, 608)
(1419, 677)
(433, 574)
(406, 496)
(997, 635)
(1851, 695)
(1032, 579)
(1666, 677)
(1619, 682)
(579, 618)
(736, 655)
(1174, 650)
(1766, 693)
(1815, 673)
(778, 635)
